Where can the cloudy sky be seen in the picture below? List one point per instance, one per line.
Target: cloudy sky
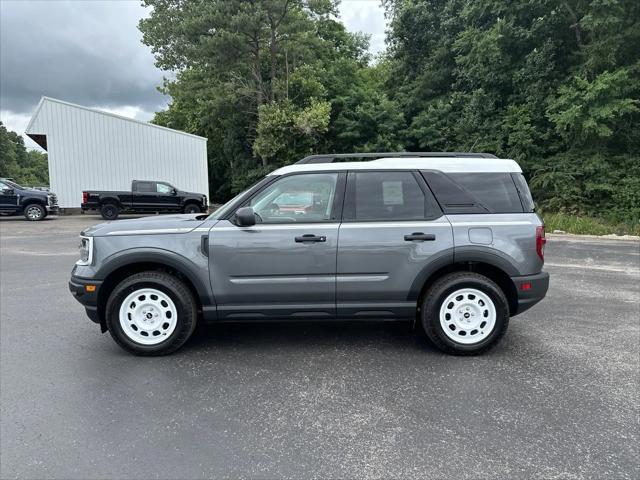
(89, 52)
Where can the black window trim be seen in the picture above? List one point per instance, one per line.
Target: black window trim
(429, 197)
(521, 194)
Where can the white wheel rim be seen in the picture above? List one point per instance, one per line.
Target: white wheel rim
(468, 316)
(148, 316)
(34, 213)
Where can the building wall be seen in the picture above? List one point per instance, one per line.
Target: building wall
(90, 150)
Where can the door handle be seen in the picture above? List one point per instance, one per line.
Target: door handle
(310, 237)
(425, 237)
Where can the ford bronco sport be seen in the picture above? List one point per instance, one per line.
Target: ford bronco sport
(449, 239)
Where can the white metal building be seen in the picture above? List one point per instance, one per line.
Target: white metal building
(90, 149)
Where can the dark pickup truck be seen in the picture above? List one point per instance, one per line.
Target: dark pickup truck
(33, 204)
(146, 196)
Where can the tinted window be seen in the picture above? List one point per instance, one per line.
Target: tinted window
(145, 187)
(386, 196)
(451, 196)
(297, 198)
(495, 191)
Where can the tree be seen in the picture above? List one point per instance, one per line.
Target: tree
(552, 84)
(253, 76)
(24, 166)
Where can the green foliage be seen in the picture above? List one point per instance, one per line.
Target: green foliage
(267, 82)
(26, 167)
(552, 84)
(585, 111)
(286, 132)
(581, 225)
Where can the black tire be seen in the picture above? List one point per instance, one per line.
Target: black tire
(34, 212)
(109, 211)
(192, 208)
(170, 285)
(436, 296)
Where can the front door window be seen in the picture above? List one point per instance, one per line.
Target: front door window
(304, 198)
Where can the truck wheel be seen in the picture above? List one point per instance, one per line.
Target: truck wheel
(192, 208)
(151, 313)
(34, 212)
(109, 211)
(465, 313)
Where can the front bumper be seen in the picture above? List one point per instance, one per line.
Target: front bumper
(89, 299)
(531, 289)
(52, 209)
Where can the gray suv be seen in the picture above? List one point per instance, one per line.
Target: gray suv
(449, 239)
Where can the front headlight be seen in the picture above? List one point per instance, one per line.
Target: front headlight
(86, 251)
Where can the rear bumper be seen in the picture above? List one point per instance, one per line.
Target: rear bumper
(531, 289)
(78, 288)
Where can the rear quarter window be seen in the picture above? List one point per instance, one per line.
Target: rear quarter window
(475, 192)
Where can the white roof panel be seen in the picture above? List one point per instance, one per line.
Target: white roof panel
(444, 164)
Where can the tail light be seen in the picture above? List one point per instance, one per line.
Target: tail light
(541, 240)
(85, 197)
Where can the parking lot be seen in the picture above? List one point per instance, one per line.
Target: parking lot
(557, 398)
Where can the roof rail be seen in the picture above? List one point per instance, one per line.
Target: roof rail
(330, 158)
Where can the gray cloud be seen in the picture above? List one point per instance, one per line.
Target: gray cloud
(90, 52)
(86, 52)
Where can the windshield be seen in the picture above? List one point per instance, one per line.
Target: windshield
(13, 184)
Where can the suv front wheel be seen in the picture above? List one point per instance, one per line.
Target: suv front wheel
(34, 212)
(151, 313)
(465, 313)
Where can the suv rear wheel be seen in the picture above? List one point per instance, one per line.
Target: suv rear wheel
(465, 313)
(151, 313)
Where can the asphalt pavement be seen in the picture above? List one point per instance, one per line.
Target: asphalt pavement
(557, 398)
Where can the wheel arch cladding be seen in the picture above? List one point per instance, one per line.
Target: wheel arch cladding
(489, 270)
(31, 200)
(129, 262)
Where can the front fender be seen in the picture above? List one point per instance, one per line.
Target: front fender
(198, 275)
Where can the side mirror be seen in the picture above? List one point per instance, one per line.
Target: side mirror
(8, 191)
(174, 191)
(245, 217)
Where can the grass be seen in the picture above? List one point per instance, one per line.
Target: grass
(587, 225)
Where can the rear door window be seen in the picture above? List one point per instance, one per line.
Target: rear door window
(387, 196)
(145, 187)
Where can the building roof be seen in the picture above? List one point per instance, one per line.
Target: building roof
(444, 164)
(101, 112)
